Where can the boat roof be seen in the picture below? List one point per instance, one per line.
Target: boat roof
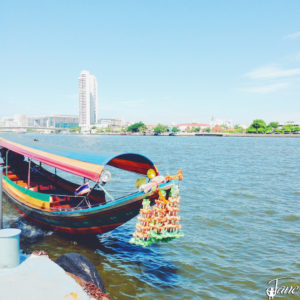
(86, 164)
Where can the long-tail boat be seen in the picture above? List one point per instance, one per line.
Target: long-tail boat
(58, 203)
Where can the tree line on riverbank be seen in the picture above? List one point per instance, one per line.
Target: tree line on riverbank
(160, 128)
(141, 127)
(259, 126)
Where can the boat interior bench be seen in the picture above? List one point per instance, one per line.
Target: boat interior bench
(61, 190)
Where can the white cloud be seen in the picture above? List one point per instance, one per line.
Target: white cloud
(266, 89)
(272, 72)
(292, 36)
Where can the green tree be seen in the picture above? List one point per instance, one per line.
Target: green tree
(258, 124)
(160, 128)
(269, 129)
(175, 129)
(297, 128)
(278, 130)
(273, 124)
(251, 130)
(238, 128)
(261, 130)
(30, 130)
(207, 129)
(75, 129)
(288, 128)
(137, 127)
(196, 129)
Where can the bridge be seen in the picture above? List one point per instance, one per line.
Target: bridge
(28, 129)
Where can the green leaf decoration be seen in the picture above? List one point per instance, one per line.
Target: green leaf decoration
(174, 190)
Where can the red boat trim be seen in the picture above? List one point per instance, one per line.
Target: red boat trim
(77, 167)
(91, 170)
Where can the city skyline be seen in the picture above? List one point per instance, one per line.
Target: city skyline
(72, 122)
(188, 62)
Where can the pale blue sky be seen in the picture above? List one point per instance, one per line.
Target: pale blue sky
(156, 61)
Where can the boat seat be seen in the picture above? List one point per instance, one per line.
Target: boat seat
(60, 203)
(67, 202)
(12, 177)
(21, 183)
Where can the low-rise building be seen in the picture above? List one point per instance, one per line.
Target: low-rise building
(64, 121)
(224, 123)
(108, 123)
(38, 121)
(217, 128)
(21, 120)
(190, 126)
(54, 121)
(8, 122)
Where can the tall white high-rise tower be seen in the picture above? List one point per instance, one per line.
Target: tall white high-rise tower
(88, 100)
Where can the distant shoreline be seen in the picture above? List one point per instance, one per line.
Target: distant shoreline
(219, 134)
(195, 134)
(263, 135)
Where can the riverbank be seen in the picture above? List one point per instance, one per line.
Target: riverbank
(205, 134)
(217, 134)
(262, 135)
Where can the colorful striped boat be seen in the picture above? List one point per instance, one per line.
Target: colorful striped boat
(50, 200)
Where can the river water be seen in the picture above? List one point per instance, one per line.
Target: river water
(240, 216)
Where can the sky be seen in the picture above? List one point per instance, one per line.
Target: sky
(164, 61)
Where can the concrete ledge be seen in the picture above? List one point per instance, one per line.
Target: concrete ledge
(38, 277)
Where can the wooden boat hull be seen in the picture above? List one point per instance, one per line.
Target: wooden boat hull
(95, 220)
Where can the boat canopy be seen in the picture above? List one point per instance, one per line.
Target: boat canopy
(88, 165)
